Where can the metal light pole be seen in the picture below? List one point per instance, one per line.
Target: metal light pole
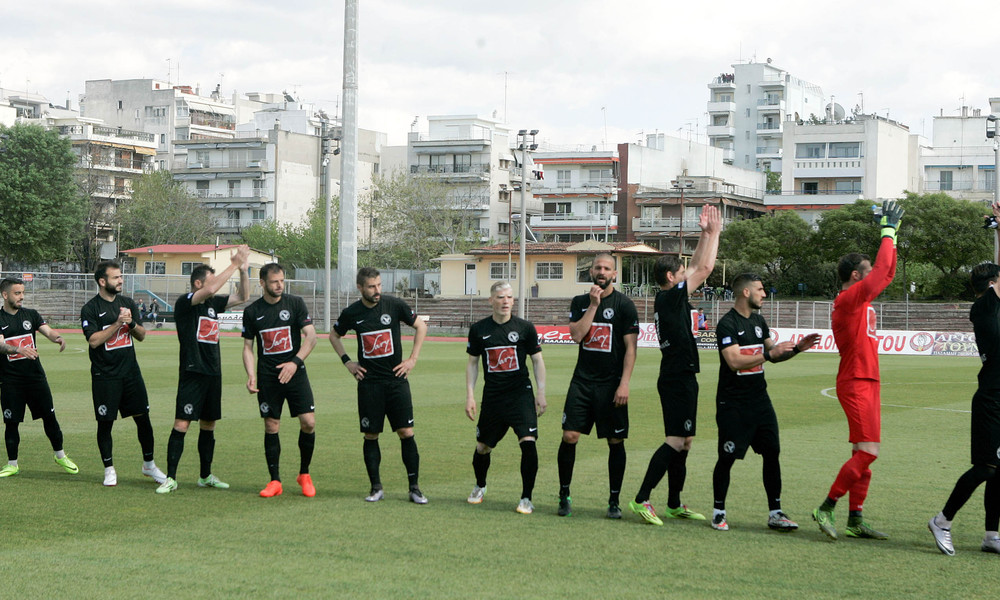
(991, 132)
(347, 255)
(523, 145)
(679, 185)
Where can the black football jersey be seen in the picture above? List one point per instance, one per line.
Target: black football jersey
(602, 351)
(985, 317)
(115, 357)
(504, 348)
(277, 329)
(19, 330)
(672, 317)
(198, 333)
(746, 385)
(379, 339)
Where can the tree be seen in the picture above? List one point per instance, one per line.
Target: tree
(163, 211)
(778, 243)
(850, 228)
(773, 182)
(415, 220)
(41, 208)
(302, 245)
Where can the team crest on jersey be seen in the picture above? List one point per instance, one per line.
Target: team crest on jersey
(729, 447)
(19, 341)
(513, 337)
(277, 340)
(598, 338)
(102, 410)
(872, 321)
(385, 319)
(502, 359)
(211, 312)
(609, 313)
(377, 344)
(284, 315)
(188, 409)
(26, 325)
(208, 330)
(121, 338)
(758, 331)
(264, 408)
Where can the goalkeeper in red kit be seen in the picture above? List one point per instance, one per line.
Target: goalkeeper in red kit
(853, 321)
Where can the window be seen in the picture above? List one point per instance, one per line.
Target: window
(563, 178)
(163, 139)
(848, 187)
(463, 163)
(119, 105)
(748, 112)
(845, 149)
(436, 163)
(549, 271)
(234, 188)
(557, 208)
(583, 264)
(201, 188)
(810, 187)
(990, 178)
(946, 181)
(233, 214)
(503, 228)
(259, 214)
(600, 175)
(810, 150)
(187, 267)
(498, 271)
(155, 267)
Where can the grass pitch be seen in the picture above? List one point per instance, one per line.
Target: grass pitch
(67, 536)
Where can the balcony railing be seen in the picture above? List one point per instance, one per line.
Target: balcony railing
(248, 194)
(194, 163)
(141, 136)
(769, 126)
(236, 223)
(570, 220)
(642, 224)
(470, 169)
(955, 186)
(764, 150)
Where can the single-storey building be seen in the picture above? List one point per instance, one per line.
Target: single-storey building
(554, 269)
(179, 259)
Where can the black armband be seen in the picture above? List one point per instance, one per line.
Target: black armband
(345, 358)
(298, 361)
(767, 356)
(795, 350)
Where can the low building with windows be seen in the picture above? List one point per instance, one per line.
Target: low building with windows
(554, 269)
(180, 259)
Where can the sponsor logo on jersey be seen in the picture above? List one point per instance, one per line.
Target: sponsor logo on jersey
(377, 344)
(188, 409)
(276, 340)
(609, 313)
(208, 330)
(502, 359)
(598, 338)
(121, 338)
(385, 319)
(754, 350)
(284, 315)
(19, 341)
(872, 319)
(513, 337)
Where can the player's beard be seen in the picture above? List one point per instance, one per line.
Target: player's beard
(270, 294)
(373, 299)
(754, 304)
(601, 281)
(111, 289)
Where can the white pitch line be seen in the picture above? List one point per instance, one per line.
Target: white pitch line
(826, 392)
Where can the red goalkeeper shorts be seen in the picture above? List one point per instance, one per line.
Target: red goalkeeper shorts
(861, 402)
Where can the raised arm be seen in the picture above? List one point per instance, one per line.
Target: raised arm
(703, 260)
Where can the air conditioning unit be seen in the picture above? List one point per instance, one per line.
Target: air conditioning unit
(253, 163)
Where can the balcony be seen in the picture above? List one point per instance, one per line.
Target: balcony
(954, 186)
(218, 164)
(664, 225)
(235, 225)
(770, 105)
(721, 107)
(768, 152)
(726, 81)
(570, 221)
(134, 165)
(256, 194)
(728, 155)
(815, 198)
(721, 131)
(829, 167)
(477, 171)
(773, 81)
(769, 128)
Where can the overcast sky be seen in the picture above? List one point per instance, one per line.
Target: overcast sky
(571, 66)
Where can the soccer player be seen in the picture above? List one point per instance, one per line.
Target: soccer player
(985, 317)
(677, 383)
(199, 386)
(110, 325)
(605, 324)
(24, 383)
(504, 342)
(382, 375)
(853, 322)
(744, 413)
(285, 336)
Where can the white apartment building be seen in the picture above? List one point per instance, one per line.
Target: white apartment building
(578, 195)
(960, 160)
(474, 158)
(829, 165)
(748, 110)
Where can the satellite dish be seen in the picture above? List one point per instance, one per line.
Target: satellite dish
(836, 110)
(769, 61)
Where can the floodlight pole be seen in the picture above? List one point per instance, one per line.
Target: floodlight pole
(523, 145)
(347, 253)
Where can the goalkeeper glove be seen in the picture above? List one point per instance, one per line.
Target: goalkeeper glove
(892, 213)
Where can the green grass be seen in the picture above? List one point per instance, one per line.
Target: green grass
(67, 536)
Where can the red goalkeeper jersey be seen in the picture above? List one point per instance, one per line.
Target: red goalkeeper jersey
(854, 319)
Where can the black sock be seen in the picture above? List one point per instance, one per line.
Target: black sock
(771, 473)
(411, 459)
(53, 431)
(616, 470)
(529, 467)
(206, 451)
(272, 453)
(676, 475)
(964, 487)
(720, 480)
(12, 439)
(373, 458)
(307, 442)
(144, 431)
(175, 448)
(566, 458)
(105, 444)
(828, 504)
(480, 465)
(658, 465)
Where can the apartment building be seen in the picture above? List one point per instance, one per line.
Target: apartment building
(748, 109)
(960, 160)
(578, 196)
